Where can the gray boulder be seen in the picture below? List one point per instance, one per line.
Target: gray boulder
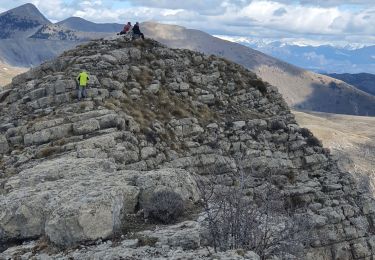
(38, 202)
(177, 180)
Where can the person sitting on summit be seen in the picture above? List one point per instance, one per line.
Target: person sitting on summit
(137, 31)
(126, 29)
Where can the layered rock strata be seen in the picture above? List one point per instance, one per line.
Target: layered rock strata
(155, 118)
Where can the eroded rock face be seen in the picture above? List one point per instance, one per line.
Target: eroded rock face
(181, 241)
(156, 118)
(73, 200)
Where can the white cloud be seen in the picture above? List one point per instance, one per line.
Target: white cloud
(330, 2)
(208, 7)
(312, 20)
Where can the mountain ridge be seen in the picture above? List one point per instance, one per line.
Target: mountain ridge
(80, 24)
(157, 119)
(301, 89)
(20, 20)
(363, 81)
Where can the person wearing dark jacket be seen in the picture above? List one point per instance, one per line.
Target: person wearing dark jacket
(137, 31)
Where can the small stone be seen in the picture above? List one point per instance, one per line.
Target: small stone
(238, 125)
(134, 91)
(154, 88)
(147, 152)
(207, 99)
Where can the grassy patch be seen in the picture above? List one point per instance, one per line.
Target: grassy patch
(144, 78)
(146, 241)
(48, 151)
(164, 107)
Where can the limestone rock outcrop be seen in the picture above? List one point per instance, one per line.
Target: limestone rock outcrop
(72, 200)
(179, 241)
(155, 119)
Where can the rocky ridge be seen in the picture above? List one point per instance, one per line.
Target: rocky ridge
(156, 118)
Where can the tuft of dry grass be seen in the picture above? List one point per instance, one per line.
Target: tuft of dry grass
(144, 78)
(59, 142)
(48, 151)
(164, 107)
(112, 104)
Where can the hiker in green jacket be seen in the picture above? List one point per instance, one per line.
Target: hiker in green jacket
(82, 78)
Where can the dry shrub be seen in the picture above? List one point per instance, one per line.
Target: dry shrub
(164, 206)
(264, 224)
(109, 105)
(59, 142)
(146, 241)
(144, 78)
(277, 125)
(260, 85)
(41, 245)
(305, 132)
(179, 112)
(140, 43)
(310, 138)
(82, 106)
(48, 151)
(313, 141)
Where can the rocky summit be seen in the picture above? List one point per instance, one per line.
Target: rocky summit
(75, 177)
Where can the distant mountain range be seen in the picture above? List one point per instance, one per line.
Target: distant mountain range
(321, 59)
(29, 39)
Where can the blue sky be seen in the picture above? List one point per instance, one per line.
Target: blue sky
(299, 21)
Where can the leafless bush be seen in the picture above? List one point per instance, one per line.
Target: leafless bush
(262, 224)
(165, 206)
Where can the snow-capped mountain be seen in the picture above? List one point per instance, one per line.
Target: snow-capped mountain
(327, 58)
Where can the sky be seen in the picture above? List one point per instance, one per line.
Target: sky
(337, 22)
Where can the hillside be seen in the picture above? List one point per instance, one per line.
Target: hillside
(7, 72)
(301, 89)
(351, 140)
(362, 81)
(80, 176)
